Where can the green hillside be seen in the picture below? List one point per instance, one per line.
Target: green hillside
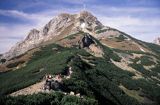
(99, 81)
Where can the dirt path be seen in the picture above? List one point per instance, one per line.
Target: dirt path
(30, 90)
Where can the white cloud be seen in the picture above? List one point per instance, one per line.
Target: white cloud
(38, 18)
(142, 28)
(12, 33)
(6, 44)
(119, 21)
(123, 10)
(16, 31)
(140, 22)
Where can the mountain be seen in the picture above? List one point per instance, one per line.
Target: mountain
(76, 60)
(56, 29)
(157, 41)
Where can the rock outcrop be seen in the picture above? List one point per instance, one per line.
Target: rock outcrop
(157, 41)
(1, 56)
(91, 46)
(61, 24)
(86, 41)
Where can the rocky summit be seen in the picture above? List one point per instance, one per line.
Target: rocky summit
(157, 41)
(59, 26)
(76, 60)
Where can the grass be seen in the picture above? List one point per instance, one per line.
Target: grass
(72, 36)
(15, 64)
(101, 31)
(100, 82)
(147, 61)
(132, 93)
(144, 60)
(52, 62)
(121, 38)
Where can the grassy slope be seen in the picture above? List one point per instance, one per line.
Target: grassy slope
(100, 82)
(51, 61)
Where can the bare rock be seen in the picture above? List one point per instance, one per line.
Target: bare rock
(86, 41)
(54, 28)
(157, 41)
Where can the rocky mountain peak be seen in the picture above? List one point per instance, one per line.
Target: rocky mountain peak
(88, 22)
(86, 15)
(157, 41)
(33, 34)
(64, 15)
(61, 25)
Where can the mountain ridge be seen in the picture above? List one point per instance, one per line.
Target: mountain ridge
(106, 66)
(65, 24)
(53, 28)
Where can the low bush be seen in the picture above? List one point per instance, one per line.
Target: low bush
(55, 98)
(15, 64)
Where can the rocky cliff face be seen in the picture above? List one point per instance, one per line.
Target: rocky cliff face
(157, 41)
(86, 41)
(61, 24)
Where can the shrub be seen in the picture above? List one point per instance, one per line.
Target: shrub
(121, 38)
(15, 64)
(101, 31)
(55, 98)
(145, 60)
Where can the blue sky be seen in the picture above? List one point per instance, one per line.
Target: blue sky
(139, 18)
